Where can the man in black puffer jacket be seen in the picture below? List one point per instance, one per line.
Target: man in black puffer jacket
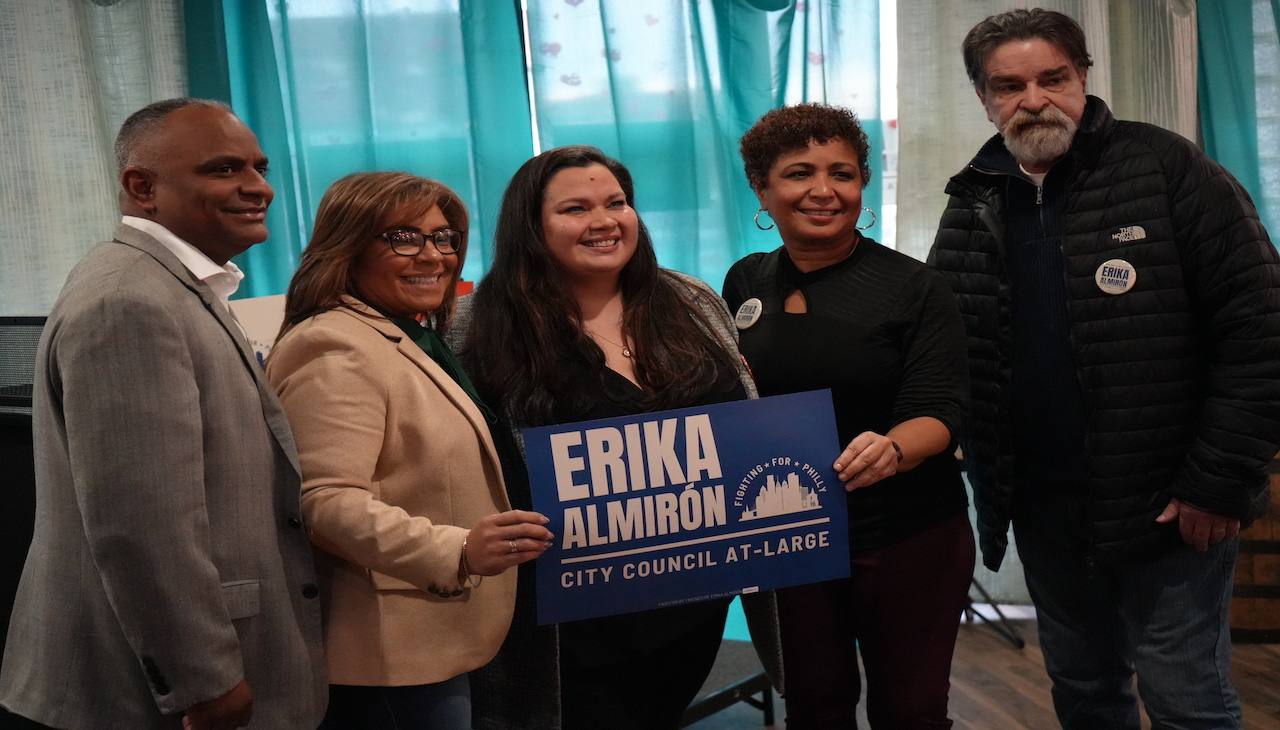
(1122, 302)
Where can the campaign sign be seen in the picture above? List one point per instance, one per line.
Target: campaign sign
(666, 508)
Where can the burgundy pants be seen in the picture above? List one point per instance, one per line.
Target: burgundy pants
(901, 606)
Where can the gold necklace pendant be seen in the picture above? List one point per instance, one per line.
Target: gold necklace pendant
(626, 351)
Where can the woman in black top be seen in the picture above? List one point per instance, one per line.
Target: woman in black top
(834, 309)
(576, 321)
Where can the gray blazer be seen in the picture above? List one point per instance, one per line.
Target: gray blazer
(169, 557)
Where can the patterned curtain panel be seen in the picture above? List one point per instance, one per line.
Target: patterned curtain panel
(72, 71)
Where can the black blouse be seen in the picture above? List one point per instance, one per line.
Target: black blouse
(883, 332)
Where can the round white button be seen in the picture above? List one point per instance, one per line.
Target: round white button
(748, 313)
(1116, 276)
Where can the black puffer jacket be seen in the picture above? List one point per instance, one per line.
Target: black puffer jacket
(1180, 375)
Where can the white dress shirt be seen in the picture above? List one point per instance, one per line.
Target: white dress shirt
(223, 280)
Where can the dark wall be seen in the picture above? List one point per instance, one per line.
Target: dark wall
(18, 485)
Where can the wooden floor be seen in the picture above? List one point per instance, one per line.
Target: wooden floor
(995, 686)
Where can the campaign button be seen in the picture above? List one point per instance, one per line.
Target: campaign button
(748, 313)
(1116, 276)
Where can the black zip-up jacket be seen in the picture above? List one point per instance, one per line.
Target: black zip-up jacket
(1180, 375)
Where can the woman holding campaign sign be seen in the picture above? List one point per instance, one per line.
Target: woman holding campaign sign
(402, 488)
(834, 309)
(576, 321)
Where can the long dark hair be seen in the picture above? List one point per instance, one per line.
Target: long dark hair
(526, 347)
(353, 211)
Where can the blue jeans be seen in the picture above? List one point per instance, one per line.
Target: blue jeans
(1164, 616)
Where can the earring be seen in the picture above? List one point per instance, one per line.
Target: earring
(873, 220)
(757, 220)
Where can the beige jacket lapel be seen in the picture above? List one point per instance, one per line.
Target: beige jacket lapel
(447, 385)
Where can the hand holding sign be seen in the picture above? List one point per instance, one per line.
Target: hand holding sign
(870, 457)
(507, 539)
(867, 459)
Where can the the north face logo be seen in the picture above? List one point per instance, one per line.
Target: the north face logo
(1129, 233)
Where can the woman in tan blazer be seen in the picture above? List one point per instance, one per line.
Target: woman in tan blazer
(402, 490)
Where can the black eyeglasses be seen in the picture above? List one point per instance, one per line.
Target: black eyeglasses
(405, 242)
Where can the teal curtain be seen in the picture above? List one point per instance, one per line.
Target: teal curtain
(1230, 83)
(439, 88)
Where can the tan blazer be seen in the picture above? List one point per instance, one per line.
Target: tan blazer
(397, 465)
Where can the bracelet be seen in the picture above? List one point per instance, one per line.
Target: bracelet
(466, 569)
(896, 448)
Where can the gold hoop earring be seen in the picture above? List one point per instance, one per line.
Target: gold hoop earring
(872, 223)
(757, 220)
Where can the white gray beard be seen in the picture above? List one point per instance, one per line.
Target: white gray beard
(1041, 144)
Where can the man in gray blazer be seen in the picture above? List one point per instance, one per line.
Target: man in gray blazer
(170, 581)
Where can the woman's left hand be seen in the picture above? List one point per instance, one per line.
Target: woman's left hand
(504, 540)
(867, 459)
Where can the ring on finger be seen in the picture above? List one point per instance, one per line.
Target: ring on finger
(513, 549)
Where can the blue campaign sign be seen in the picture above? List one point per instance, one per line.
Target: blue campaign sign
(687, 505)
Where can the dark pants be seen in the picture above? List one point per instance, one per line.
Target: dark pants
(642, 690)
(442, 706)
(901, 606)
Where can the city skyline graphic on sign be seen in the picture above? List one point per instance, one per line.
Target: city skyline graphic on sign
(781, 498)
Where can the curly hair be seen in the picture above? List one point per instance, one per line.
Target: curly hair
(791, 128)
(1022, 25)
(354, 210)
(526, 347)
